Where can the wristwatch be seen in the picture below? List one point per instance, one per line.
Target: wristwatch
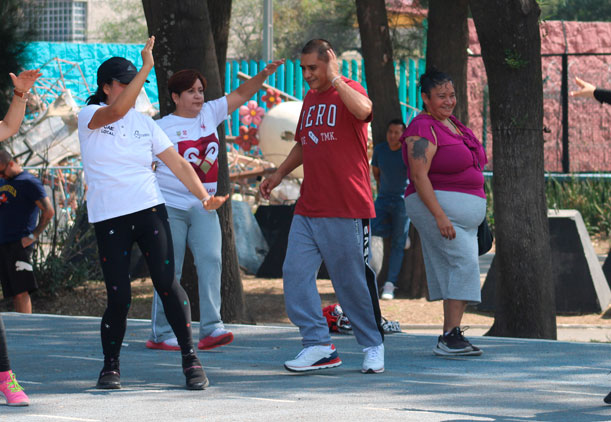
(31, 236)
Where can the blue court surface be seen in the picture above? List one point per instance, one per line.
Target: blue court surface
(57, 360)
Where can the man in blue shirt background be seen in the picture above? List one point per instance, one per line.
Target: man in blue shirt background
(21, 197)
(390, 173)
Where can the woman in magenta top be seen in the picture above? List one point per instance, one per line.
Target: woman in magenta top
(446, 202)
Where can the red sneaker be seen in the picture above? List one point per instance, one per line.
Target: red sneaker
(15, 396)
(169, 344)
(219, 337)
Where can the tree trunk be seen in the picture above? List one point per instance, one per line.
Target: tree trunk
(220, 15)
(382, 89)
(508, 32)
(447, 40)
(379, 69)
(185, 40)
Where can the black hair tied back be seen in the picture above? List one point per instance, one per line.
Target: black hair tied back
(99, 96)
(432, 78)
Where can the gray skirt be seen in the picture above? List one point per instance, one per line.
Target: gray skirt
(452, 266)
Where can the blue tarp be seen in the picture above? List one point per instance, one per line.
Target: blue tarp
(89, 57)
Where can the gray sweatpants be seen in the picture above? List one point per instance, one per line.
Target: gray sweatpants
(201, 230)
(343, 245)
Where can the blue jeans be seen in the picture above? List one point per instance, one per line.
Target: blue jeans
(201, 230)
(392, 221)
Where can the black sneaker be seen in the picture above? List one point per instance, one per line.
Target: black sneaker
(455, 344)
(194, 373)
(608, 399)
(110, 376)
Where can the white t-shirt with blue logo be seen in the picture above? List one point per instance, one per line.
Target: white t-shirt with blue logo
(117, 161)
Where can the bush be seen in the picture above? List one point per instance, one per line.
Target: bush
(68, 258)
(590, 196)
(55, 275)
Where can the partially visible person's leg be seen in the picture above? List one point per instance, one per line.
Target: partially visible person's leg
(14, 394)
(155, 241)
(115, 238)
(5, 364)
(299, 272)
(18, 275)
(453, 311)
(162, 336)
(205, 242)
(341, 242)
(344, 244)
(452, 267)
(399, 227)
(23, 303)
(381, 226)
(302, 299)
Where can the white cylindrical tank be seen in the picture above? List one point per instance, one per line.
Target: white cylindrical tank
(277, 133)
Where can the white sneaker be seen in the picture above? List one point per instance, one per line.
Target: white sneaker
(388, 291)
(314, 357)
(373, 363)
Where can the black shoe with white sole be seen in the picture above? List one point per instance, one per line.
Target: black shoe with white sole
(455, 344)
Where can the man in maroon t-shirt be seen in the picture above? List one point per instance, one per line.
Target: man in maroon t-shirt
(331, 221)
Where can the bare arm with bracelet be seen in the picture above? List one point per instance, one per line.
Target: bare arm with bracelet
(22, 83)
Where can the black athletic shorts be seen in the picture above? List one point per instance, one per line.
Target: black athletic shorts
(16, 273)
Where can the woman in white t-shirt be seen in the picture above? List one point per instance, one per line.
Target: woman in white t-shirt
(192, 129)
(118, 146)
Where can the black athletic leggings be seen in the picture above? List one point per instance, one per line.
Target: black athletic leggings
(5, 365)
(115, 236)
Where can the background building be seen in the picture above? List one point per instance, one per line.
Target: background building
(56, 20)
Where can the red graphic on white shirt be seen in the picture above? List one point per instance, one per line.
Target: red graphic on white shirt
(202, 154)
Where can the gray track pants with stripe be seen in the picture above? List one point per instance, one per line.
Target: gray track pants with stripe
(343, 245)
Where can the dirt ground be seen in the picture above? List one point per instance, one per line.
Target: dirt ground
(265, 303)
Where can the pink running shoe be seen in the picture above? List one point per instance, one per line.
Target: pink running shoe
(169, 344)
(219, 337)
(11, 389)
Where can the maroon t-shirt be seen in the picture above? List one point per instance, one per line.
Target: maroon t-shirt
(335, 165)
(458, 163)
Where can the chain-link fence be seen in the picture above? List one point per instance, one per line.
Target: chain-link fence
(577, 131)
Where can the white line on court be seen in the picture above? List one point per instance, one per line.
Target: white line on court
(437, 383)
(76, 357)
(66, 418)
(128, 390)
(573, 392)
(378, 408)
(262, 399)
(176, 365)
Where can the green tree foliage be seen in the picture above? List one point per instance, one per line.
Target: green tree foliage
(576, 10)
(295, 22)
(127, 27)
(15, 32)
(406, 42)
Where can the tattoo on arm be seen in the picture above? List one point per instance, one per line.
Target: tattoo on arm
(419, 147)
